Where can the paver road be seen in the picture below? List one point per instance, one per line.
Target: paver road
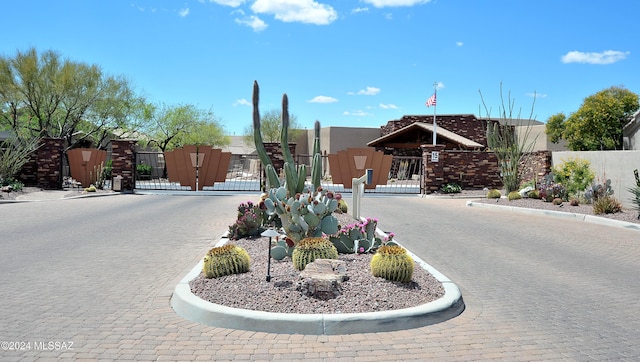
(99, 272)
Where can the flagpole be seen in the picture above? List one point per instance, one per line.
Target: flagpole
(435, 126)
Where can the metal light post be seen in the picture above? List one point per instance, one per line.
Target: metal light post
(269, 233)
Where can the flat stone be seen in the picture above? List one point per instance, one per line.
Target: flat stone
(322, 278)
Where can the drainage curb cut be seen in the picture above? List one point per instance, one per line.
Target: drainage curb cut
(561, 214)
(191, 307)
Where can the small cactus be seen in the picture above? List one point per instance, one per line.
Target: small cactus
(225, 260)
(557, 201)
(493, 194)
(310, 249)
(392, 262)
(514, 195)
(534, 194)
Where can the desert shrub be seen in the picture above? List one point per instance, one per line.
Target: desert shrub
(451, 188)
(557, 201)
(574, 201)
(12, 184)
(574, 174)
(549, 189)
(514, 195)
(493, 194)
(143, 169)
(606, 205)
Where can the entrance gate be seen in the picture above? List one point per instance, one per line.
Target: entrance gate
(245, 173)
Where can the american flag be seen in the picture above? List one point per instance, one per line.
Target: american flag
(431, 101)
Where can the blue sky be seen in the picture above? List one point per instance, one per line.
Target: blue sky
(352, 63)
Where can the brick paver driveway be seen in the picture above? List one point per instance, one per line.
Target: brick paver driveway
(99, 272)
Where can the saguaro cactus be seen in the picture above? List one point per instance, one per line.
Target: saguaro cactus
(295, 175)
(272, 176)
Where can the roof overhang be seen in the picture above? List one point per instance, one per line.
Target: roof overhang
(428, 127)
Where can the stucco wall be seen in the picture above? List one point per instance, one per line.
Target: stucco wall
(615, 165)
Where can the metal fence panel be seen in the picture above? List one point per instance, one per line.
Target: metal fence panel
(245, 173)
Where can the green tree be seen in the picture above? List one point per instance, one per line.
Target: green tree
(270, 127)
(44, 95)
(169, 127)
(510, 148)
(555, 127)
(598, 123)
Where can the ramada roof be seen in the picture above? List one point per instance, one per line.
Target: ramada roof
(441, 132)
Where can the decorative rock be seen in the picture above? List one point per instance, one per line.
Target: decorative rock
(525, 191)
(322, 278)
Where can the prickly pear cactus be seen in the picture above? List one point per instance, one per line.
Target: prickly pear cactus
(304, 214)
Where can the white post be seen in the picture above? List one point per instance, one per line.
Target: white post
(357, 186)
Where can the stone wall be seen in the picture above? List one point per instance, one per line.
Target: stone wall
(535, 165)
(465, 125)
(49, 161)
(274, 151)
(473, 170)
(44, 167)
(123, 160)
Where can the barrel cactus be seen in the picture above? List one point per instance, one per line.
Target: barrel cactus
(225, 260)
(310, 249)
(493, 194)
(392, 262)
(514, 195)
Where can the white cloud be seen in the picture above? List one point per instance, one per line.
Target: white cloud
(359, 10)
(253, 22)
(606, 57)
(358, 113)
(369, 91)
(392, 3)
(184, 12)
(322, 99)
(459, 43)
(242, 102)
(388, 106)
(302, 11)
(232, 3)
(537, 95)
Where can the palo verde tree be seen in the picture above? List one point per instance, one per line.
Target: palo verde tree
(44, 95)
(168, 127)
(598, 123)
(271, 127)
(511, 148)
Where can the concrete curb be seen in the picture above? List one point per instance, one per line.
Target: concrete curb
(50, 196)
(560, 214)
(191, 307)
